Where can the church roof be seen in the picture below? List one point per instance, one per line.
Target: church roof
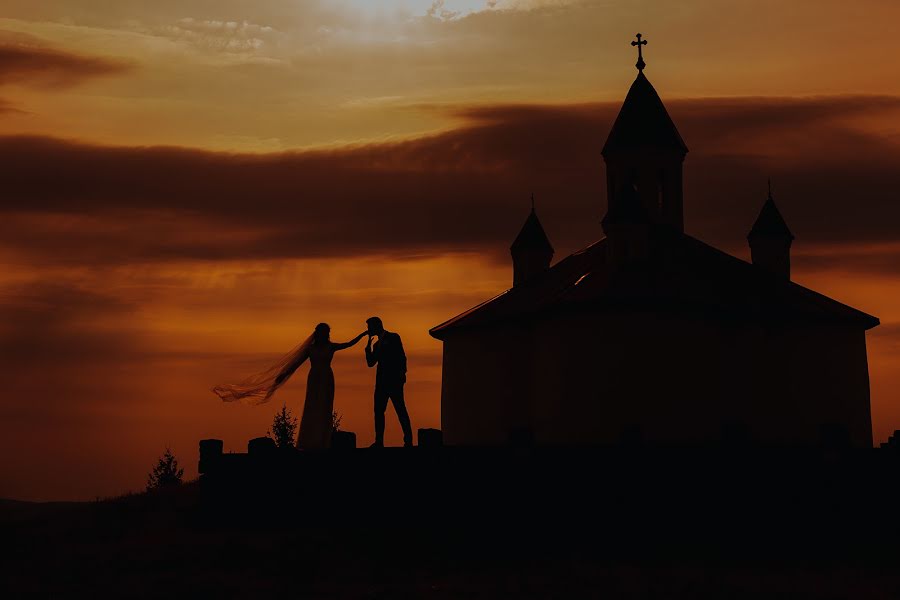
(682, 275)
(770, 223)
(643, 122)
(532, 236)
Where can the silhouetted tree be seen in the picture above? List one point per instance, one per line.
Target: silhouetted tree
(284, 426)
(335, 422)
(166, 472)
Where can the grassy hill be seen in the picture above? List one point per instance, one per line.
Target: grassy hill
(170, 543)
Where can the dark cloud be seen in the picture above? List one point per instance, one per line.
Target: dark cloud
(53, 324)
(7, 107)
(871, 259)
(62, 360)
(32, 64)
(465, 189)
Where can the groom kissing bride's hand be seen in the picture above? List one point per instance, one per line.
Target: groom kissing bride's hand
(318, 408)
(390, 377)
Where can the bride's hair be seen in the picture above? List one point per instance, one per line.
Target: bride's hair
(321, 334)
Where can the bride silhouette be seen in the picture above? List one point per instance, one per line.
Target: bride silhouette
(315, 424)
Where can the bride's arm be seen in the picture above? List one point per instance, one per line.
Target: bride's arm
(351, 343)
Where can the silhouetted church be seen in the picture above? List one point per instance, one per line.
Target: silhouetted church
(650, 334)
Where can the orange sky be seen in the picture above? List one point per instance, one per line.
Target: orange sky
(190, 186)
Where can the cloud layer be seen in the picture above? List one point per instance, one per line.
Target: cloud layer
(462, 190)
(24, 62)
(279, 74)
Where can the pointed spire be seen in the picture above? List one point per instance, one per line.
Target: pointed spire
(532, 235)
(770, 223)
(644, 146)
(643, 122)
(770, 240)
(531, 251)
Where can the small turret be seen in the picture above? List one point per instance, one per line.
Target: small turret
(770, 240)
(531, 251)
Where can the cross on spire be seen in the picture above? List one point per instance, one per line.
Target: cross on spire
(640, 64)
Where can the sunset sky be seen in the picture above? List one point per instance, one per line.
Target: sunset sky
(189, 186)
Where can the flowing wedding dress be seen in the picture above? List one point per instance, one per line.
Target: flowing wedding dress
(316, 422)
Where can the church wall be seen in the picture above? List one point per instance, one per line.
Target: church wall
(830, 382)
(605, 378)
(801, 377)
(486, 375)
(624, 375)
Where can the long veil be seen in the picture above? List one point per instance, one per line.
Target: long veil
(258, 389)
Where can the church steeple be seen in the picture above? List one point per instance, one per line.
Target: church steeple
(645, 148)
(770, 240)
(531, 251)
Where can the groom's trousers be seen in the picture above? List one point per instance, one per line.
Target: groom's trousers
(394, 393)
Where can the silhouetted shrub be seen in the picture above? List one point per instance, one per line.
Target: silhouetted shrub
(166, 472)
(284, 426)
(335, 422)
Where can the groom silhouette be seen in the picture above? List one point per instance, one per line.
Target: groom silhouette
(388, 354)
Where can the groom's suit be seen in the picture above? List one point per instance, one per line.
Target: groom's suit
(388, 354)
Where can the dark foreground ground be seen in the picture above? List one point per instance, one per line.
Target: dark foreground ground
(414, 524)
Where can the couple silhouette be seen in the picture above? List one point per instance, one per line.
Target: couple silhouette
(384, 349)
(387, 353)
